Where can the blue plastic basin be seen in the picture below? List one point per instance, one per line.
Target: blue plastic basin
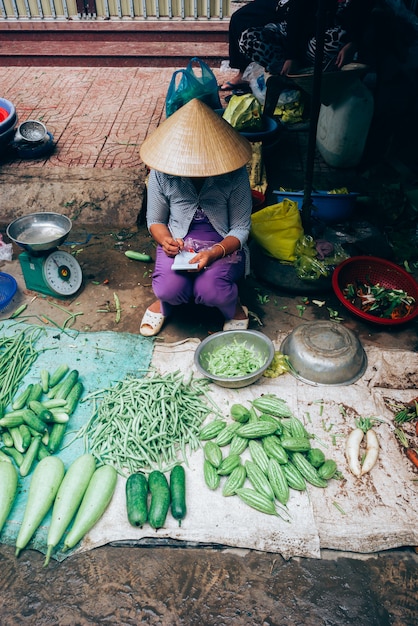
(8, 288)
(328, 207)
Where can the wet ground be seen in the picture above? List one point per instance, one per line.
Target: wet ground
(169, 584)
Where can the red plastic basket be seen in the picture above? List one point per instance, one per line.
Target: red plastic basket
(374, 270)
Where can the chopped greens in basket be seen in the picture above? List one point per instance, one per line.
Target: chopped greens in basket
(378, 300)
(233, 360)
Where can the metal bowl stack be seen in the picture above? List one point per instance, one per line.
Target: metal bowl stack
(31, 131)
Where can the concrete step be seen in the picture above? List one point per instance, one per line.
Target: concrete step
(123, 44)
(123, 54)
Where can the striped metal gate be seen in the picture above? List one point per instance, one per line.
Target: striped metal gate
(114, 9)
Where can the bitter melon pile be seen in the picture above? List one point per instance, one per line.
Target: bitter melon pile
(262, 454)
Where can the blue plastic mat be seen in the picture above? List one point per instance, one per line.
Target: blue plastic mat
(102, 359)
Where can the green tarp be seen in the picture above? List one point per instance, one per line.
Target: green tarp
(102, 359)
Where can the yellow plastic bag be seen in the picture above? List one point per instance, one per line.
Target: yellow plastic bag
(277, 229)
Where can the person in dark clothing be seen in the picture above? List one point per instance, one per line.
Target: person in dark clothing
(280, 45)
(279, 35)
(255, 13)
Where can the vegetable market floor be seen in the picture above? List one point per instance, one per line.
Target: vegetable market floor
(98, 119)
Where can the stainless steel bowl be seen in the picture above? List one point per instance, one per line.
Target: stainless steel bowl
(31, 131)
(262, 345)
(39, 232)
(324, 353)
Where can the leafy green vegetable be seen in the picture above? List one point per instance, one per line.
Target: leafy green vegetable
(379, 300)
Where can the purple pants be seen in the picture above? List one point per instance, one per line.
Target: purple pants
(216, 286)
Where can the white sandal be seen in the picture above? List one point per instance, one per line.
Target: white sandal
(238, 324)
(151, 323)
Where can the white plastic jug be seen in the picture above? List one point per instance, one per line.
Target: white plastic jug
(343, 127)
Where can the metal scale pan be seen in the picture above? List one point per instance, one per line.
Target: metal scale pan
(45, 268)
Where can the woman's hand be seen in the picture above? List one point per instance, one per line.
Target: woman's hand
(171, 246)
(206, 258)
(164, 238)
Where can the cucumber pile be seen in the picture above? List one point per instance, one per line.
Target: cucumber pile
(150, 499)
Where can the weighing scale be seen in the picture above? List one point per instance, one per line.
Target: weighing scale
(46, 268)
(57, 274)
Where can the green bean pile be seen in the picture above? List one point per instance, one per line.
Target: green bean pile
(147, 423)
(17, 354)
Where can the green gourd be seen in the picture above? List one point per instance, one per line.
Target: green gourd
(46, 479)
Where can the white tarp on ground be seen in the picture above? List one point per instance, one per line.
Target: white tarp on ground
(376, 512)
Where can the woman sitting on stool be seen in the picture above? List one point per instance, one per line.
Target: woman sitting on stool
(199, 199)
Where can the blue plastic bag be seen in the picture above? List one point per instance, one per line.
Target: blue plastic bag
(186, 84)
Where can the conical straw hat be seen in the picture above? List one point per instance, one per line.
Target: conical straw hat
(195, 141)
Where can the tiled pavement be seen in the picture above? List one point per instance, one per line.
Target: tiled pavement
(98, 116)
